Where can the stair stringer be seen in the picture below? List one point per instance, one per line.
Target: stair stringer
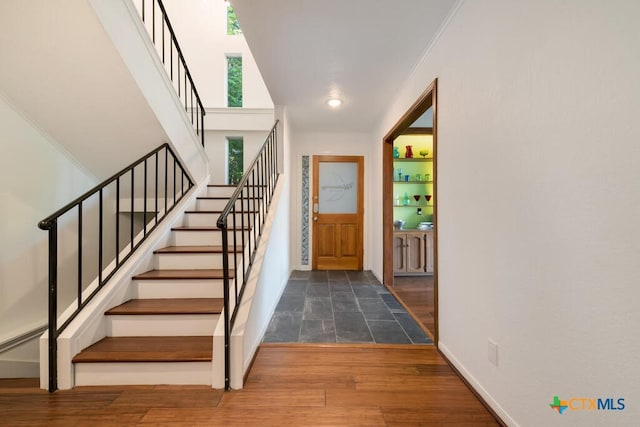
(124, 27)
(266, 282)
(90, 325)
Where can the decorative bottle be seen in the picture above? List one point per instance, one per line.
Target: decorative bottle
(409, 153)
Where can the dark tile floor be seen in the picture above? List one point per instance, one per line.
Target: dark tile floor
(341, 307)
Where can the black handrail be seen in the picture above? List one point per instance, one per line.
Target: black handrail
(196, 113)
(86, 205)
(250, 202)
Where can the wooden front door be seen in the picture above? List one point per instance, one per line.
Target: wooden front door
(337, 211)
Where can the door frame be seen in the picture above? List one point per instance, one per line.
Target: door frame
(427, 99)
(315, 160)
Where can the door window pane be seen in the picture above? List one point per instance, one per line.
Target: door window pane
(338, 187)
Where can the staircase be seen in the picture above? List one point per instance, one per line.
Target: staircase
(164, 334)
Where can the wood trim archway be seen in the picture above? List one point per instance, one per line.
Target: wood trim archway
(422, 104)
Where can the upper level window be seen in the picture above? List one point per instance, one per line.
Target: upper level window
(235, 155)
(233, 27)
(234, 81)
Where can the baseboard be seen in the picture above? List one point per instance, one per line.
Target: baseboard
(483, 396)
(19, 369)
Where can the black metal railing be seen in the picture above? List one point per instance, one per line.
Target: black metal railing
(241, 222)
(94, 235)
(154, 16)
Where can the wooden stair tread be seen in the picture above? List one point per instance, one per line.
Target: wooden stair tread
(204, 228)
(148, 349)
(169, 306)
(224, 198)
(182, 274)
(218, 212)
(232, 185)
(213, 249)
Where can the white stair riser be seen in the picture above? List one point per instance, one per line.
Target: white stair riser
(214, 204)
(211, 288)
(220, 191)
(211, 219)
(188, 261)
(202, 238)
(119, 373)
(161, 325)
(228, 191)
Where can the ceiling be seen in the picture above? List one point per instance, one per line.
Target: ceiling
(360, 51)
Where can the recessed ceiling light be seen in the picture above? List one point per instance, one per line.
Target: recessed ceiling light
(334, 102)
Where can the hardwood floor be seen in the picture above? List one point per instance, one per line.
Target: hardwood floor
(295, 385)
(416, 292)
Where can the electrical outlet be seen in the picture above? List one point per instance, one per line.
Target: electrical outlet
(493, 352)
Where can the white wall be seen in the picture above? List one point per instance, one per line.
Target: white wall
(201, 28)
(344, 144)
(62, 70)
(38, 177)
(538, 202)
(21, 361)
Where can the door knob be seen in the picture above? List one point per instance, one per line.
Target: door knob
(315, 218)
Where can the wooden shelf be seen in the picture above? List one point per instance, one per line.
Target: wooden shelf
(412, 231)
(413, 182)
(413, 205)
(415, 159)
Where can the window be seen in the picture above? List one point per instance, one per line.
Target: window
(235, 163)
(234, 81)
(233, 28)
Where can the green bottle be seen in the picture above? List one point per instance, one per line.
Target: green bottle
(406, 201)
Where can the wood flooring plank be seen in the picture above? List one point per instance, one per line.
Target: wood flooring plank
(304, 398)
(444, 416)
(61, 419)
(274, 416)
(400, 383)
(184, 397)
(342, 387)
(419, 399)
(324, 374)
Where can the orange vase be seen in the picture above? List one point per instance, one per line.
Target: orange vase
(409, 153)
